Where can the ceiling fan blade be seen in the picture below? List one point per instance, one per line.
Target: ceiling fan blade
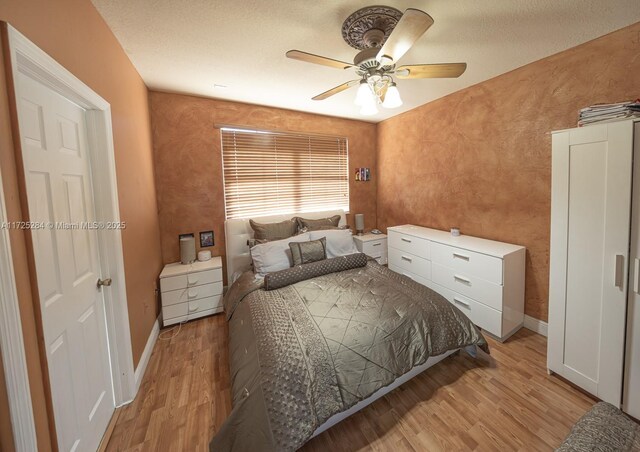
(444, 70)
(336, 90)
(317, 59)
(413, 24)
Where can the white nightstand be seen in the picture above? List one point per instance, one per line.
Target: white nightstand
(191, 291)
(374, 245)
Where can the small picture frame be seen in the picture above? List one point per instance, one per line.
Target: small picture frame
(206, 239)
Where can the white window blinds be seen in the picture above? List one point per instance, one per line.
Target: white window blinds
(269, 173)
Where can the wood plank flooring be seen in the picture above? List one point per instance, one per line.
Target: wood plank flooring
(509, 403)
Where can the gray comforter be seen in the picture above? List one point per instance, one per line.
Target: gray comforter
(302, 353)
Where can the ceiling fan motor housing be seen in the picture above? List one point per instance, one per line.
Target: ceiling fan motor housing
(369, 27)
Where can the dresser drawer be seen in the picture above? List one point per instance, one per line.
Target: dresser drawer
(408, 274)
(190, 279)
(481, 315)
(410, 262)
(468, 262)
(470, 286)
(409, 244)
(191, 308)
(191, 293)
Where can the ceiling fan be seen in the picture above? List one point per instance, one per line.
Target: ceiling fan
(383, 35)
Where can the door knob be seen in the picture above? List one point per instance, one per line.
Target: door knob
(103, 282)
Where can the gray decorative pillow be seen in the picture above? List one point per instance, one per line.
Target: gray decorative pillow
(307, 252)
(267, 232)
(282, 278)
(305, 224)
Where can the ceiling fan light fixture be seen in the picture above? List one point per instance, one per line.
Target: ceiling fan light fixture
(364, 93)
(392, 99)
(369, 107)
(383, 35)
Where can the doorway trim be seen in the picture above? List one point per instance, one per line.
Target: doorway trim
(26, 58)
(14, 360)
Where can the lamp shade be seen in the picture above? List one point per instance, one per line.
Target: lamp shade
(369, 107)
(392, 98)
(363, 94)
(359, 223)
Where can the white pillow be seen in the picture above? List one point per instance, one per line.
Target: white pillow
(273, 256)
(339, 241)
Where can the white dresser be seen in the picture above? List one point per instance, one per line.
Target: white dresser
(191, 291)
(483, 278)
(373, 245)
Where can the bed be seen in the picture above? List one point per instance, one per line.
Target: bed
(307, 355)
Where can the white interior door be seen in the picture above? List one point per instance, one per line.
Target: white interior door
(59, 192)
(591, 199)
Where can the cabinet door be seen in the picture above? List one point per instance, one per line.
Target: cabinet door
(631, 403)
(590, 220)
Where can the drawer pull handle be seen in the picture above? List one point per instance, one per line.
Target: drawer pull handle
(405, 240)
(191, 281)
(461, 256)
(377, 244)
(405, 258)
(459, 301)
(193, 308)
(461, 279)
(192, 294)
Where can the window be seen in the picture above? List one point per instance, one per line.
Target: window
(269, 173)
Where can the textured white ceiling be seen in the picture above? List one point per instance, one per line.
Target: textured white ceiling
(190, 45)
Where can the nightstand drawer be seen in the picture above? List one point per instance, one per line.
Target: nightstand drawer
(468, 262)
(190, 279)
(191, 308)
(470, 286)
(374, 248)
(410, 262)
(382, 260)
(191, 293)
(205, 304)
(410, 244)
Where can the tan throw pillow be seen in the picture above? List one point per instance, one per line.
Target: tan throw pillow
(305, 224)
(307, 252)
(267, 232)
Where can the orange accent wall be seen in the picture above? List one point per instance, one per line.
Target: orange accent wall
(189, 161)
(480, 159)
(73, 33)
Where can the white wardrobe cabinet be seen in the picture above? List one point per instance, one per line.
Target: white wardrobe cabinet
(591, 220)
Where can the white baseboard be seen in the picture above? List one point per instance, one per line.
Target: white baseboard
(535, 325)
(146, 354)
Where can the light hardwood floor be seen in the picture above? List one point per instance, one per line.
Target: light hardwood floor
(507, 404)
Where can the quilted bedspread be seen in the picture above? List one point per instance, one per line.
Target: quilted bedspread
(304, 352)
